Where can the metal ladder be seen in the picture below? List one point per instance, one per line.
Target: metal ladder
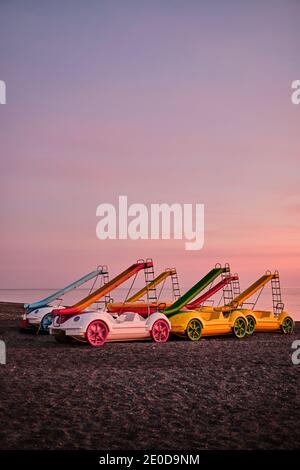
(149, 277)
(175, 285)
(231, 290)
(236, 289)
(107, 297)
(227, 290)
(278, 306)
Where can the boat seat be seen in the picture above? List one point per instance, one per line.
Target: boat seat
(263, 314)
(128, 316)
(209, 315)
(131, 316)
(214, 315)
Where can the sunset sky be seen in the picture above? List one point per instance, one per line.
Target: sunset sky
(162, 101)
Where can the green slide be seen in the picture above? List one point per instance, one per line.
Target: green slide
(191, 293)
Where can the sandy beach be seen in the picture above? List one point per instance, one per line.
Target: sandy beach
(218, 393)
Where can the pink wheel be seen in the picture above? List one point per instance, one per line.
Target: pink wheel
(96, 333)
(160, 331)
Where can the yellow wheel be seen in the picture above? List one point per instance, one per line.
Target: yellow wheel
(251, 324)
(287, 326)
(194, 329)
(239, 327)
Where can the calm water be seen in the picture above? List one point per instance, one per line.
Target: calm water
(290, 297)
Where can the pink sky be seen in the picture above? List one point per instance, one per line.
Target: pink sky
(163, 102)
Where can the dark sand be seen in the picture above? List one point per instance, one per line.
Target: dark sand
(219, 393)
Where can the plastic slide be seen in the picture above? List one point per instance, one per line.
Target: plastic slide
(243, 296)
(108, 287)
(200, 300)
(142, 307)
(158, 280)
(56, 295)
(195, 290)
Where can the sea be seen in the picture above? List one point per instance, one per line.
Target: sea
(290, 297)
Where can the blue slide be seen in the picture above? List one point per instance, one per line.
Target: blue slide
(56, 295)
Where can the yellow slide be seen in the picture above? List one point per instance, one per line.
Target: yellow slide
(241, 298)
(142, 308)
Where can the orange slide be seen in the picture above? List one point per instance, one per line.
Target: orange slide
(108, 287)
